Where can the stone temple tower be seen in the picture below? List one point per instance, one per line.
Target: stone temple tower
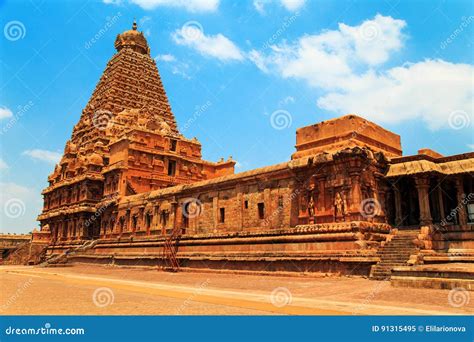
(126, 142)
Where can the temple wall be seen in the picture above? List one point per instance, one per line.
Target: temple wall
(346, 248)
(244, 207)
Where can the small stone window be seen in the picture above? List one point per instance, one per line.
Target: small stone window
(173, 145)
(222, 215)
(171, 168)
(148, 218)
(164, 217)
(280, 202)
(261, 211)
(246, 204)
(134, 222)
(185, 216)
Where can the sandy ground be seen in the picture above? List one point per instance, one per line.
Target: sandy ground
(97, 290)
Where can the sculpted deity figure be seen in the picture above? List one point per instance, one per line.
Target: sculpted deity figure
(311, 206)
(339, 206)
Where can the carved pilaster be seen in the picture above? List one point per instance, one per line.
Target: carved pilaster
(461, 203)
(422, 186)
(398, 205)
(355, 193)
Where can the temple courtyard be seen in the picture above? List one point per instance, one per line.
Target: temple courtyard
(108, 290)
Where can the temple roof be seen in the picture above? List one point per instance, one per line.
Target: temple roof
(132, 39)
(449, 167)
(130, 81)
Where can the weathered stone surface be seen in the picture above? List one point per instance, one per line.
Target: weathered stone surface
(347, 131)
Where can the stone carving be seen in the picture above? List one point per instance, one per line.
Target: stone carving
(340, 206)
(311, 206)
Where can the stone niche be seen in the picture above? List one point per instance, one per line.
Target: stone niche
(347, 131)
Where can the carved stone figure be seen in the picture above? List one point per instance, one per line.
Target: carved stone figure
(340, 206)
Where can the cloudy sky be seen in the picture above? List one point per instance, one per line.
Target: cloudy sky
(241, 76)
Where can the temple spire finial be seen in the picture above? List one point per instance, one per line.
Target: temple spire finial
(134, 26)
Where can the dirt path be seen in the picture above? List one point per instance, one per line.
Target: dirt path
(105, 290)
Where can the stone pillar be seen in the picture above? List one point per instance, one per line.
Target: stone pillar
(398, 205)
(422, 186)
(442, 214)
(321, 201)
(240, 207)
(267, 202)
(356, 194)
(379, 196)
(215, 210)
(128, 219)
(460, 196)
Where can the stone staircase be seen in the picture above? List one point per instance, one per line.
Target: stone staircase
(62, 258)
(394, 253)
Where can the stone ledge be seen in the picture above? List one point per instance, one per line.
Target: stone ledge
(439, 276)
(433, 283)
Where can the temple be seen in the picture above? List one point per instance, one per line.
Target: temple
(131, 190)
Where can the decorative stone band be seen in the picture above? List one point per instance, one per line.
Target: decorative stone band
(68, 182)
(69, 210)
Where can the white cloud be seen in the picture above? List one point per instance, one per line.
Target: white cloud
(471, 146)
(292, 5)
(43, 155)
(260, 5)
(430, 90)
(3, 165)
(347, 64)
(375, 39)
(217, 46)
(5, 113)
(289, 5)
(12, 190)
(177, 67)
(189, 5)
(165, 58)
(19, 207)
(259, 59)
(329, 58)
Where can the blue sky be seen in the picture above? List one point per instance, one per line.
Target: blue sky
(260, 68)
